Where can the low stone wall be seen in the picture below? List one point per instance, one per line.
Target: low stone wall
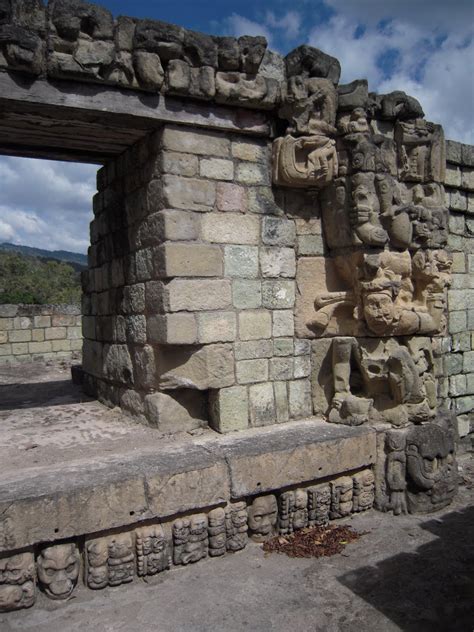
(39, 332)
(459, 362)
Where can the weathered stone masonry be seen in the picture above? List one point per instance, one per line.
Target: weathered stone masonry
(268, 246)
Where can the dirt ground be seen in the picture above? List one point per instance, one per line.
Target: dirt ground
(409, 573)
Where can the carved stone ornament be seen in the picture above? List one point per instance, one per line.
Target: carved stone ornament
(341, 497)
(421, 151)
(263, 517)
(293, 511)
(153, 550)
(58, 569)
(190, 539)
(364, 491)
(319, 504)
(110, 560)
(217, 532)
(236, 526)
(17, 582)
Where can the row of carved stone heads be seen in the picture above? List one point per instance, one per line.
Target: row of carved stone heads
(117, 558)
(71, 39)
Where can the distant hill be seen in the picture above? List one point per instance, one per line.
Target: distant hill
(58, 255)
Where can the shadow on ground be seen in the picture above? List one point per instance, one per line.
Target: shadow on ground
(430, 589)
(39, 394)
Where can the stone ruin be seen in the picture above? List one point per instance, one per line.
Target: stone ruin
(268, 246)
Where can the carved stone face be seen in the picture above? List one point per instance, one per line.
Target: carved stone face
(58, 570)
(239, 518)
(198, 524)
(301, 499)
(379, 312)
(17, 582)
(120, 545)
(263, 516)
(181, 529)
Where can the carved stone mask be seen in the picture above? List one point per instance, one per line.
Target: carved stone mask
(58, 570)
(263, 516)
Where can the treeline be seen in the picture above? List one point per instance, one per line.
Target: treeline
(37, 281)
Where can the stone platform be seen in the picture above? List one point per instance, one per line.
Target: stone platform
(73, 467)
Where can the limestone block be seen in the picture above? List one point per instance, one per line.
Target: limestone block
(216, 327)
(199, 295)
(281, 368)
(252, 173)
(179, 411)
(229, 409)
(183, 79)
(278, 232)
(211, 366)
(20, 348)
(278, 294)
(145, 371)
(459, 262)
(135, 329)
(216, 168)
(42, 321)
(40, 347)
(283, 323)
(7, 324)
(24, 335)
(262, 404)
(5, 350)
(255, 325)
(117, 364)
(283, 346)
(148, 69)
(468, 362)
(262, 200)
(198, 142)
(246, 294)
(457, 321)
(453, 152)
(253, 349)
(300, 399)
(467, 177)
(61, 345)
(231, 197)
(4, 335)
(310, 245)
(276, 262)
(302, 366)
(241, 261)
(189, 260)
(172, 329)
(457, 200)
(190, 194)
(230, 229)
(179, 164)
(467, 155)
(251, 151)
(453, 176)
(251, 371)
(281, 401)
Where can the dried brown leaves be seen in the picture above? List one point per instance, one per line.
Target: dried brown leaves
(312, 542)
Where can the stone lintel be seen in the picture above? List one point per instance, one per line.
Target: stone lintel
(86, 497)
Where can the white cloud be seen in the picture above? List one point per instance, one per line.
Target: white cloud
(289, 23)
(46, 204)
(238, 25)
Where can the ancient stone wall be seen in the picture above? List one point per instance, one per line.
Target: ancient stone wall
(39, 332)
(459, 362)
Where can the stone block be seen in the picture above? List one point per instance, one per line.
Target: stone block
(179, 164)
(8, 310)
(457, 385)
(310, 245)
(208, 367)
(457, 200)
(117, 364)
(453, 152)
(464, 426)
(467, 153)
(468, 362)
(467, 178)
(190, 194)
(22, 322)
(251, 151)
(5, 350)
(4, 336)
(208, 294)
(459, 262)
(135, 329)
(461, 342)
(61, 345)
(19, 348)
(63, 320)
(175, 225)
(453, 176)
(22, 335)
(252, 173)
(283, 323)
(217, 327)
(183, 139)
(230, 229)
(302, 347)
(40, 347)
(42, 321)
(281, 368)
(246, 294)
(278, 262)
(457, 322)
(251, 371)
(231, 197)
(463, 405)
(262, 404)
(300, 399)
(297, 452)
(253, 349)
(172, 329)
(302, 366)
(283, 346)
(255, 325)
(453, 364)
(280, 391)
(460, 299)
(6, 324)
(189, 260)
(145, 368)
(74, 333)
(229, 409)
(133, 299)
(278, 294)
(278, 232)
(216, 168)
(262, 201)
(181, 411)
(241, 261)
(457, 224)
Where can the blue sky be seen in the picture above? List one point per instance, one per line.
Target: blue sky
(424, 47)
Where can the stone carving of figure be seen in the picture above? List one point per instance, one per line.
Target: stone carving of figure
(421, 151)
(17, 582)
(319, 504)
(190, 538)
(396, 471)
(153, 550)
(236, 526)
(110, 560)
(217, 533)
(58, 569)
(364, 491)
(293, 511)
(341, 497)
(262, 517)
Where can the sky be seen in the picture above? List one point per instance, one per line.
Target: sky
(424, 47)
